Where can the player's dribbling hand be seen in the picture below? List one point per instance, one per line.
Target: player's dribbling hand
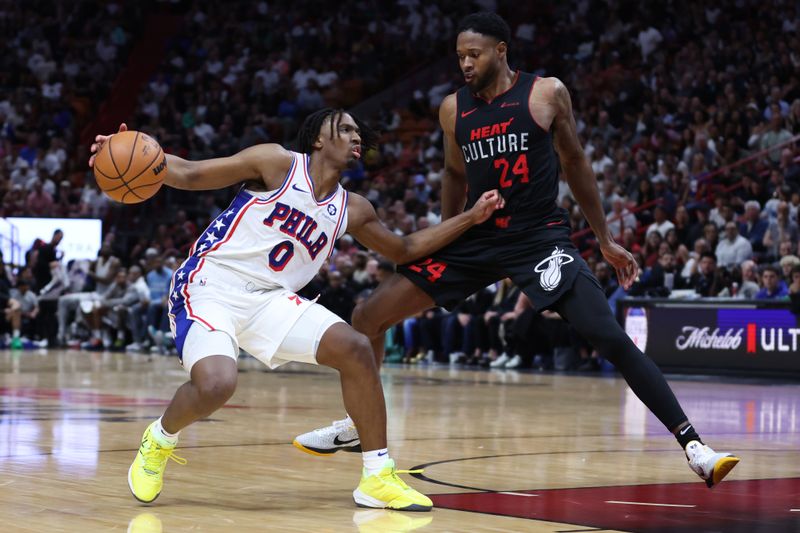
(623, 262)
(487, 204)
(99, 140)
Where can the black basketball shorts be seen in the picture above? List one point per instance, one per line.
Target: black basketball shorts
(542, 263)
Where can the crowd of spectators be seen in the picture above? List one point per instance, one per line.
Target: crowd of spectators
(688, 112)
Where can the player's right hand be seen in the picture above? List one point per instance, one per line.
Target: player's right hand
(488, 203)
(99, 140)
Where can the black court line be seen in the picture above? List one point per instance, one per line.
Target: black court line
(423, 477)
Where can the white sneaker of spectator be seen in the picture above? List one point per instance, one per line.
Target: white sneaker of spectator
(455, 356)
(515, 362)
(500, 362)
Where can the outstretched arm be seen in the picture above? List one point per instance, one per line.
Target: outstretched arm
(264, 162)
(454, 180)
(365, 226)
(583, 184)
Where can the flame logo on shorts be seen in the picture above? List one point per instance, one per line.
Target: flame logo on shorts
(549, 268)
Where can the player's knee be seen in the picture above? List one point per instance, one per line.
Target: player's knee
(218, 388)
(358, 353)
(364, 322)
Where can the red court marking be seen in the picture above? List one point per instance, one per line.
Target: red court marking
(83, 397)
(732, 506)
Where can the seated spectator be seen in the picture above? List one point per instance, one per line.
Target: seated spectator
(111, 311)
(787, 264)
(499, 315)
(703, 281)
(338, 297)
(137, 312)
(779, 230)
(661, 279)
(754, 227)
(604, 275)
(620, 218)
(28, 310)
(733, 249)
(749, 285)
(773, 286)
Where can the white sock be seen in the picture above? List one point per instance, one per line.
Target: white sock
(374, 460)
(163, 436)
(16, 333)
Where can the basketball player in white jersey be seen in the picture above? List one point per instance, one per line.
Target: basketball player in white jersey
(237, 289)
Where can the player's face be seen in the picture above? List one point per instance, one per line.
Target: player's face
(345, 145)
(479, 57)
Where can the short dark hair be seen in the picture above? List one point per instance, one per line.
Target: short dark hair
(486, 23)
(312, 127)
(773, 269)
(712, 255)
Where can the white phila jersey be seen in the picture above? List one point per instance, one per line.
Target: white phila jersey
(275, 239)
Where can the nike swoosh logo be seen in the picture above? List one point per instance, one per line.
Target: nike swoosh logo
(338, 442)
(509, 104)
(295, 187)
(382, 454)
(467, 113)
(686, 430)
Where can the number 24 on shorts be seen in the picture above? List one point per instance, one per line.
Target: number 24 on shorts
(435, 269)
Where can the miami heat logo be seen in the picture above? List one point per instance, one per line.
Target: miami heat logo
(549, 268)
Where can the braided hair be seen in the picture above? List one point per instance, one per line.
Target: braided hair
(312, 128)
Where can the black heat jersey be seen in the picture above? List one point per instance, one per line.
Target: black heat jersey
(505, 149)
(529, 239)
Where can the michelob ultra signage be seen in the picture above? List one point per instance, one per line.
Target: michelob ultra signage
(702, 335)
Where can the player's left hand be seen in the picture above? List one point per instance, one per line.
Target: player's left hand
(623, 262)
(487, 204)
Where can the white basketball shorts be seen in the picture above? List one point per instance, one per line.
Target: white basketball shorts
(214, 311)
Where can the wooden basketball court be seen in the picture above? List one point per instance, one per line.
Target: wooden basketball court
(503, 451)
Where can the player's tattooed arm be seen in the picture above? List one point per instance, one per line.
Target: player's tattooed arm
(454, 179)
(364, 224)
(264, 163)
(583, 184)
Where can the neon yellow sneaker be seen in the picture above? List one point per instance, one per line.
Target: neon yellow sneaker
(385, 490)
(146, 474)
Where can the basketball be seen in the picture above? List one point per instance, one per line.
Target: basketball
(130, 167)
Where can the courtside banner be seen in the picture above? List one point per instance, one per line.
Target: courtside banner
(724, 336)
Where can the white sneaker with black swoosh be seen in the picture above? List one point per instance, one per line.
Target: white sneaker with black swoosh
(340, 435)
(708, 464)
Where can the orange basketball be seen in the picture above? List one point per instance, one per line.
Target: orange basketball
(130, 167)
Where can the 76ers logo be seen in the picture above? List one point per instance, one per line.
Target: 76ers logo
(549, 268)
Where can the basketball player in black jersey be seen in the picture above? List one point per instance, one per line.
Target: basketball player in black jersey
(516, 132)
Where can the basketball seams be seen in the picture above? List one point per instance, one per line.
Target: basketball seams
(149, 165)
(133, 151)
(130, 191)
(111, 157)
(114, 185)
(119, 174)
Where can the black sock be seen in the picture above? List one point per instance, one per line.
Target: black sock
(686, 435)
